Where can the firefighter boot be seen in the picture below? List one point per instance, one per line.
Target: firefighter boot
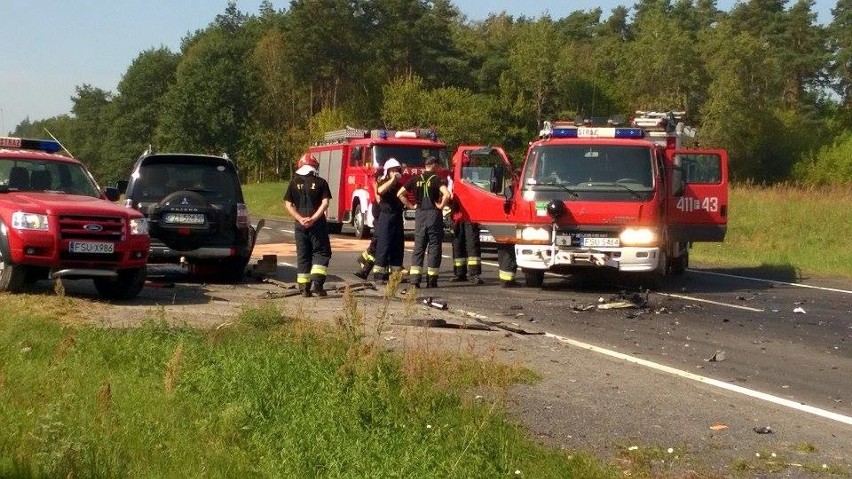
(432, 281)
(364, 267)
(475, 279)
(508, 283)
(319, 287)
(305, 288)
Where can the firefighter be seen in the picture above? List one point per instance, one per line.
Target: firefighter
(390, 225)
(432, 195)
(467, 259)
(306, 199)
(507, 265)
(367, 258)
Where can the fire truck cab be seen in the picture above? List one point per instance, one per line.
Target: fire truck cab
(350, 160)
(628, 199)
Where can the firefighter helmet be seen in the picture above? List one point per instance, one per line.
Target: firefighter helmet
(307, 160)
(391, 163)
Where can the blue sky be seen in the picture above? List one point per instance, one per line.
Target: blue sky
(53, 46)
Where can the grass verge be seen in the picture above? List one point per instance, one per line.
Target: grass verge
(269, 395)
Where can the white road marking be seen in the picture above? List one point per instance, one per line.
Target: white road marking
(771, 281)
(712, 382)
(717, 303)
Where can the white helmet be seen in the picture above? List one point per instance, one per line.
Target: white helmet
(391, 163)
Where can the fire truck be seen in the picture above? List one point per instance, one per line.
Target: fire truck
(350, 159)
(624, 198)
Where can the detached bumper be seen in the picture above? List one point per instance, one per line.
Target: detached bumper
(627, 259)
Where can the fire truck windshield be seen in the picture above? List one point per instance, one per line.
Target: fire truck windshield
(411, 156)
(18, 174)
(590, 168)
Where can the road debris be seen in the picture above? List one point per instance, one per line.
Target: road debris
(718, 427)
(763, 430)
(717, 357)
(799, 310)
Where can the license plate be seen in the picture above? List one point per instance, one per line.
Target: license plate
(486, 238)
(613, 242)
(184, 218)
(91, 247)
(408, 214)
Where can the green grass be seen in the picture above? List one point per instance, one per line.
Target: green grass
(268, 396)
(801, 231)
(265, 200)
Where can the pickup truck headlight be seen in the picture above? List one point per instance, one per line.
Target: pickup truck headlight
(139, 226)
(531, 233)
(638, 237)
(29, 221)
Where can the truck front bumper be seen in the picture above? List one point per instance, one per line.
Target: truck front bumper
(625, 259)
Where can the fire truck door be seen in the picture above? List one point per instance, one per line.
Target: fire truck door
(696, 199)
(481, 175)
(331, 164)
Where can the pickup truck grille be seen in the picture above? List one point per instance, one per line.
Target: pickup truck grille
(97, 228)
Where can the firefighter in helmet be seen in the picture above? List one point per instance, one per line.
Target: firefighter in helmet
(432, 195)
(306, 199)
(390, 225)
(367, 259)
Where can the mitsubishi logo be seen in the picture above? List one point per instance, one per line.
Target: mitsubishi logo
(184, 201)
(94, 227)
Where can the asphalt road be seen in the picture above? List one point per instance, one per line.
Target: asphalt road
(703, 366)
(715, 349)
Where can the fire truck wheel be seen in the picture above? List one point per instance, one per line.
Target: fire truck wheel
(677, 266)
(358, 222)
(127, 285)
(533, 278)
(655, 279)
(334, 228)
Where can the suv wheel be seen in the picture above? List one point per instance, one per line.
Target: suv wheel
(127, 285)
(12, 276)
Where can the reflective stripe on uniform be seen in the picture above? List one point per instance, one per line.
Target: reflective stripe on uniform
(414, 270)
(318, 269)
(380, 270)
(473, 261)
(303, 278)
(458, 262)
(432, 271)
(367, 256)
(506, 276)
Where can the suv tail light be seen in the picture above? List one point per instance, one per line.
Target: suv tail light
(242, 216)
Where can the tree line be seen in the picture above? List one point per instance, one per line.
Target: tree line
(768, 83)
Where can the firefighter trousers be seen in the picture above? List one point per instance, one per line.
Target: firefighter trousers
(508, 264)
(467, 256)
(390, 243)
(313, 253)
(428, 239)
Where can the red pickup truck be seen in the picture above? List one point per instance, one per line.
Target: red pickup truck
(56, 222)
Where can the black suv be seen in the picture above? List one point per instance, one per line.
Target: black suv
(196, 212)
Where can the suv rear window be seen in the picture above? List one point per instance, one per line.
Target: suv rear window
(162, 176)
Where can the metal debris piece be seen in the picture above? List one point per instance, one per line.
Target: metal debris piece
(719, 356)
(799, 310)
(433, 302)
(763, 430)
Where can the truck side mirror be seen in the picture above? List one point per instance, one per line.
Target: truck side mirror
(678, 183)
(111, 193)
(509, 193)
(121, 185)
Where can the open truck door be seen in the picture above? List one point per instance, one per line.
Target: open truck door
(483, 179)
(696, 195)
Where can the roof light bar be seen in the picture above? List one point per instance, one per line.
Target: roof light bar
(584, 132)
(49, 146)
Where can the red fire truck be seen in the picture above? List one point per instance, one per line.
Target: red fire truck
(629, 199)
(349, 159)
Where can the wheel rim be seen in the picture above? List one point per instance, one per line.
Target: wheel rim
(358, 220)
